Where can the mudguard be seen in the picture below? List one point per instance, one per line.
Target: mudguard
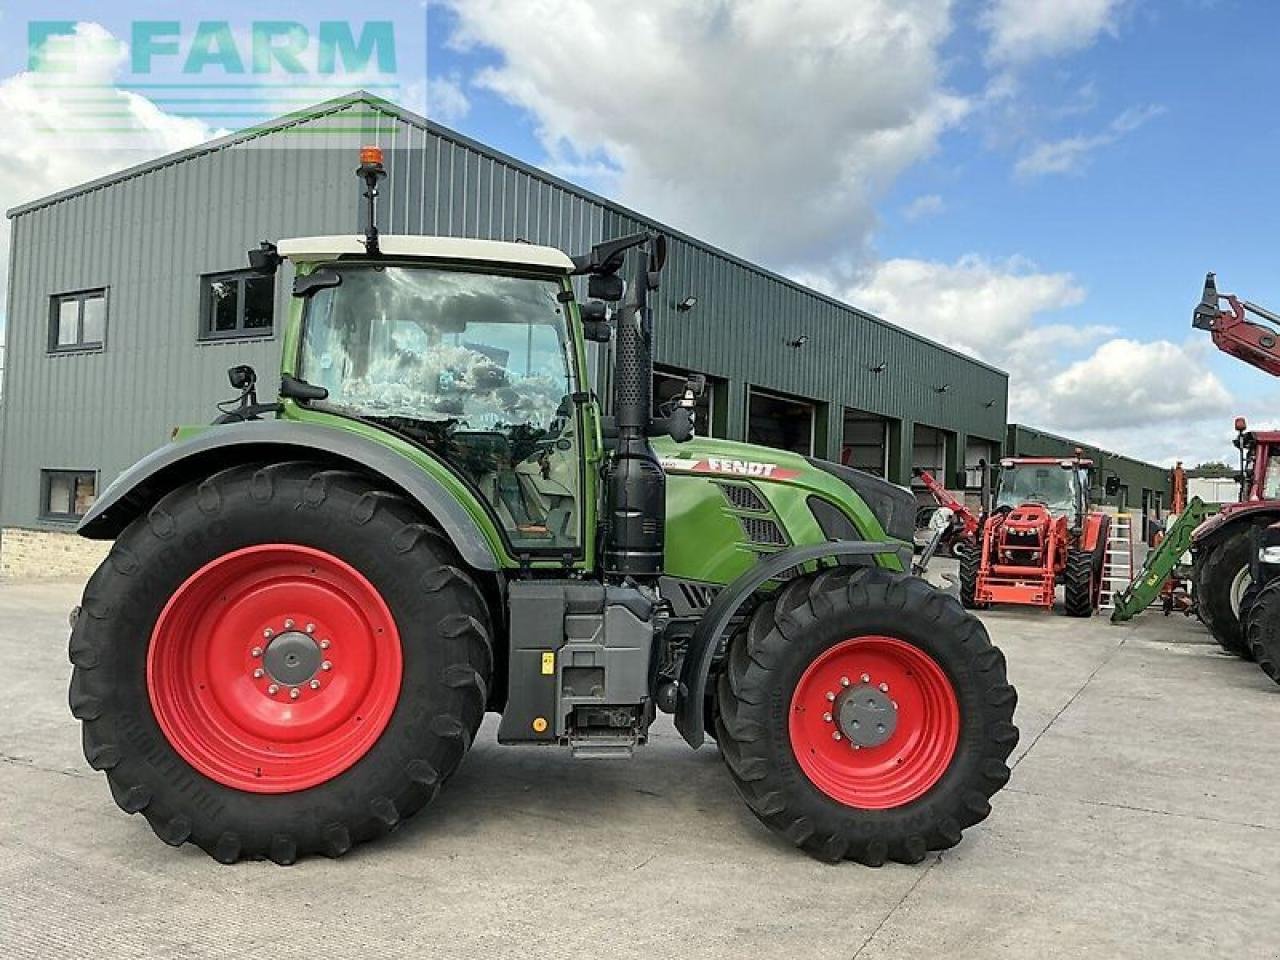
(706, 636)
(1217, 526)
(137, 489)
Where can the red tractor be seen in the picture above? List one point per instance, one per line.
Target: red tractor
(1223, 546)
(1041, 532)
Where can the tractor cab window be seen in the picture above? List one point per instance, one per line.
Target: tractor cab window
(1271, 478)
(475, 367)
(1047, 484)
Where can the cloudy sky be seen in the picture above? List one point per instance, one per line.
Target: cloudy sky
(1040, 183)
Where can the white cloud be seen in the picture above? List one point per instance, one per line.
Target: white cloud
(45, 147)
(446, 101)
(1127, 384)
(924, 206)
(1070, 154)
(1156, 400)
(1021, 31)
(768, 127)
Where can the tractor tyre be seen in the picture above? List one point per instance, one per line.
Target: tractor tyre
(970, 562)
(1222, 580)
(1262, 629)
(1080, 584)
(864, 715)
(279, 661)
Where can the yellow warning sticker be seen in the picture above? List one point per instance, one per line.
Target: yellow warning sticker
(548, 664)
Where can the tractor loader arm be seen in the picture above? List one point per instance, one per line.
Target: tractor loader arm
(1233, 333)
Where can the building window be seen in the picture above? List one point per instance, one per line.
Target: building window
(67, 495)
(239, 304)
(78, 321)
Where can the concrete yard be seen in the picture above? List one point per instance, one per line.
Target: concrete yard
(1142, 820)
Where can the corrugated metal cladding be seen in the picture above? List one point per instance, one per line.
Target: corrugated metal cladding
(1141, 483)
(149, 234)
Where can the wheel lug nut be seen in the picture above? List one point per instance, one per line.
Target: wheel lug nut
(256, 651)
(257, 674)
(826, 717)
(315, 684)
(884, 688)
(895, 704)
(830, 696)
(293, 693)
(268, 633)
(324, 644)
(866, 678)
(326, 665)
(311, 628)
(273, 689)
(844, 681)
(835, 735)
(288, 624)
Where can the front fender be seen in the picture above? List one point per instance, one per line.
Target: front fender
(1223, 522)
(706, 636)
(137, 489)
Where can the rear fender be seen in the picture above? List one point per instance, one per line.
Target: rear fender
(140, 487)
(1094, 534)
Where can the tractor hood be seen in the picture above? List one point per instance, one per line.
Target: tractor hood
(893, 506)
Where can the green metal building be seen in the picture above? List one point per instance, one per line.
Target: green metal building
(128, 300)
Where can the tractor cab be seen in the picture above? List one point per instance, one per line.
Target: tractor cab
(1060, 486)
(1259, 463)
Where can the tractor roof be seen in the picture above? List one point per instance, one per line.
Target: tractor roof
(441, 248)
(1041, 461)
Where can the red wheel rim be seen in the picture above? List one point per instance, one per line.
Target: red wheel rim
(908, 730)
(274, 668)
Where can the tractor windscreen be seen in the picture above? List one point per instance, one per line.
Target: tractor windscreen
(1047, 484)
(476, 367)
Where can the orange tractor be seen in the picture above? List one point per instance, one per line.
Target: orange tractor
(1041, 532)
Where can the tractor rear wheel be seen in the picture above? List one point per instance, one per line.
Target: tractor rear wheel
(865, 716)
(279, 661)
(1222, 579)
(970, 562)
(1080, 583)
(1262, 629)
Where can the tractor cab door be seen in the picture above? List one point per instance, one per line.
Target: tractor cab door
(1267, 470)
(478, 368)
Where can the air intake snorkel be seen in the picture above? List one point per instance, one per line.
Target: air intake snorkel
(635, 506)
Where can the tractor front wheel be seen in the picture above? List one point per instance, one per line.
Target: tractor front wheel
(865, 716)
(970, 562)
(1262, 629)
(1080, 583)
(279, 661)
(1222, 580)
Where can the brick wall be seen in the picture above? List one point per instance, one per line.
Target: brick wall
(47, 554)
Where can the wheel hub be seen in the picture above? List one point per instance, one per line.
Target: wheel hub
(866, 715)
(292, 658)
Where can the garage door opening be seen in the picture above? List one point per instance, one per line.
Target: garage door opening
(865, 445)
(929, 452)
(782, 422)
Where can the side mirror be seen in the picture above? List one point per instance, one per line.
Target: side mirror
(264, 260)
(597, 331)
(680, 425)
(242, 377)
(605, 286)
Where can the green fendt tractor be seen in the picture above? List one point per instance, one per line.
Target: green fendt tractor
(310, 605)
